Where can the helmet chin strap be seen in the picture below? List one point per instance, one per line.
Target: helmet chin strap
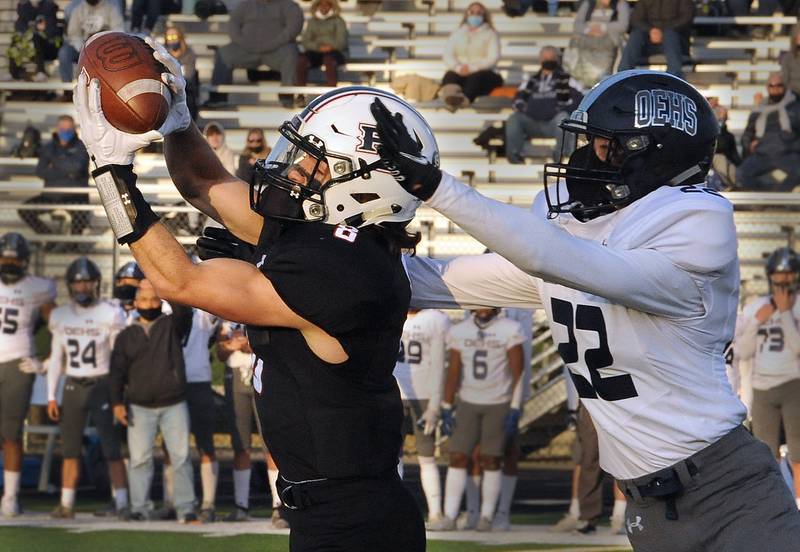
(682, 177)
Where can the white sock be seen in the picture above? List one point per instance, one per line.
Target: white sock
(168, 479)
(10, 483)
(120, 498)
(454, 485)
(273, 487)
(507, 486)
(209, 472)
(67, 497)
(575, 508)
(619, 509)
(490, 492)
(431, 484)
(241, 488)
(400, 468)
(473, 495)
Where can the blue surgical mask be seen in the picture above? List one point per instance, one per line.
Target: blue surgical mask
(66, 135)
(474, 20)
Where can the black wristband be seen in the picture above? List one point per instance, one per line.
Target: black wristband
(128, 212)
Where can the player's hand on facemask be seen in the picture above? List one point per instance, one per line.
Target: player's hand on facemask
(429, 420)
(178, 118)
(31, 365)
(511, 424)
(448, 419)
(221, 243)
(106, 144)
(400, 154)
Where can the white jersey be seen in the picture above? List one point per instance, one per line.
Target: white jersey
(85, 336)
(641, 303)
(420, 364)
(485, 375)
(195, 353)
(19, 310)
(773, 346)
(525, 319)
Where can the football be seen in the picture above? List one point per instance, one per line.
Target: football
(133, 97)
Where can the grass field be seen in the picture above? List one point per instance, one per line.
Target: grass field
(27, 539)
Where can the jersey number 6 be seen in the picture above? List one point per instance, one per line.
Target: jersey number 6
(590, 318)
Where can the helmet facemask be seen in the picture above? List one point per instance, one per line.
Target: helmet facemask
(12, 270)
(84, 298)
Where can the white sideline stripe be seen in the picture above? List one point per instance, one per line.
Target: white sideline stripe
(143, 86)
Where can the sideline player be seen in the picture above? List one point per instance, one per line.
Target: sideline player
(126, 282)
(420, 376)
(636, 264)
(325, 303)
(769, 336)
(84, 330)
(485, 365)
(25, 301)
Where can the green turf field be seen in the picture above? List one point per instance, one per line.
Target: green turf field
(24, 539)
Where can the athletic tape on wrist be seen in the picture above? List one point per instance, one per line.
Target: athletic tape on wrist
(128, 213)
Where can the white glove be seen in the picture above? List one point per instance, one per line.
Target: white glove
(31, 365)
(178, 118)
(430, 417)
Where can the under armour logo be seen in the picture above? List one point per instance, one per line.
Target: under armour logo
(259, 367)
(260, 263)
(635, 525)
(125, 199)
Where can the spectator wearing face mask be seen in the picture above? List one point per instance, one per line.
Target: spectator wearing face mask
(215, 136)
(88, 18)
(175, 42)
(324, 42)
(470, 55)
(255, 149)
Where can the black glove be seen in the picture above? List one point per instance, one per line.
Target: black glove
(220, 243)
(400, 154)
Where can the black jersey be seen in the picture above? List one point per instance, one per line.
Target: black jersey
(324, 420)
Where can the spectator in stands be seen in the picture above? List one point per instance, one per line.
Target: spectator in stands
(659, 25)
(324, 42)
(36, 38)
(726, 157)
(147, 11)
(69, 8)
(765, 8)
(255, 149)
(790, 62)
(771, 141)
(63, 163)
(90, 17)
(600, 27)
(541, 103)
(263, 32)
(470, 54)
(215, 136)
(175, 42)
(148, 371)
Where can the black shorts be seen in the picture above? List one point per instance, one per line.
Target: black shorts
(239, 406)
(15, 399)
(84, 397)
(200, 399)
(363, 515)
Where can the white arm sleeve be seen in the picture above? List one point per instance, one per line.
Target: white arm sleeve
(746, 338)
(643, 279)
(55, 365)
(470, 282)
(437, 372)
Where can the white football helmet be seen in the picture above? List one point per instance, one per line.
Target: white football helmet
(325, 166)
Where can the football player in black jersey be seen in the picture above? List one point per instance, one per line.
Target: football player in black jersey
(325, 295)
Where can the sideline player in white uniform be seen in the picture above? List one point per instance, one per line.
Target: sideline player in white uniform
(636, 265)
(768, 335)
(84, 330)
(24, 301)
(485, 364)
(420, 376)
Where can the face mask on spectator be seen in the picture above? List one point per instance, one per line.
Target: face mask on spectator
(721, 122)
(174, 46)
(319, 15)
(474, 20)
(150, 314)
(550, 65)
(66, 135)
(92, 2)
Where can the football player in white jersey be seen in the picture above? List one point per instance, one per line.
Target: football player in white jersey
(485, 365)
(84, 332)
(768, 334)
(420, 376)
(636, 264)
(25, 300)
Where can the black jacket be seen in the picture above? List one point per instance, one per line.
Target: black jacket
(663, 14)
(726, 145)
(27, 13)
(775, 142)
(63, 166)
(147, 367)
